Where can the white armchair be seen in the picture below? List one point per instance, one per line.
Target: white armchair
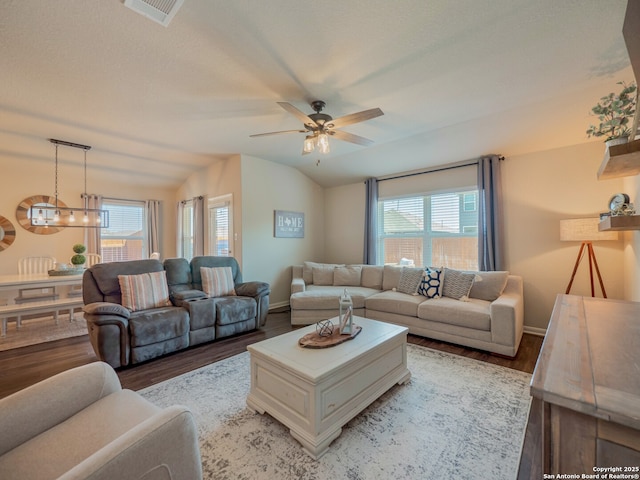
(80, 424)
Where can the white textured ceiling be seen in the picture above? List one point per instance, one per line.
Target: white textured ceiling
(455, 79)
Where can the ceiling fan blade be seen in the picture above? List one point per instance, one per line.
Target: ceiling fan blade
(297, 113)
(277, 133)
(355, 118)
(350, 137)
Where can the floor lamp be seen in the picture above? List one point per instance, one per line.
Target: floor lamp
(585, 230)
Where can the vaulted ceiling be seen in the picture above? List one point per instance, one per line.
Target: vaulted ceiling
(455, 79)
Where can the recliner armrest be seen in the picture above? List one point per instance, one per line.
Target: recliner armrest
(38, 408)
(106, 308)
(165, 444)
(252, 289)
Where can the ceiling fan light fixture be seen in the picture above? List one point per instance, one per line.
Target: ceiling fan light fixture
(309, 144)
(323, 143)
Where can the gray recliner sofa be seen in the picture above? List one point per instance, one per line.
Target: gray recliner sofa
(122, 337)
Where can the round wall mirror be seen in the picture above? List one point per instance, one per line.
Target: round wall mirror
(24, 218)
(7, 233)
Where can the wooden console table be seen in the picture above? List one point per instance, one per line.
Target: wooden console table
(588, 378)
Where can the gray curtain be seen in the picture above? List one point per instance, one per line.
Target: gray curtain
(198, 226)
(153, 226)
(92, 235)
(371, 221)
(490, 216)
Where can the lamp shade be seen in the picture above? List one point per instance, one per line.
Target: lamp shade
(584, 230)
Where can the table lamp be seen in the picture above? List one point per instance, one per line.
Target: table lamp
(585, 230)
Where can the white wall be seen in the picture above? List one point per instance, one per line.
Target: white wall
(269, 186)
(540, 189)
(22, 179)
(344, 220)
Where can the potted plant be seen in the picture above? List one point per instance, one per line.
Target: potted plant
(615, 112)
(78, 259)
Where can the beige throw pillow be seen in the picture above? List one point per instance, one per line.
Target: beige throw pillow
(348, 276)
(217, 281)
(143, 291)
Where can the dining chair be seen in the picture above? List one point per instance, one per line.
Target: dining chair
(31, 266)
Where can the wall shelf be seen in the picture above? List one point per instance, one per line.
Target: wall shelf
(620, 161)
(620, 222)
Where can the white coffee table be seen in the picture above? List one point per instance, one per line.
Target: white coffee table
(314, 392)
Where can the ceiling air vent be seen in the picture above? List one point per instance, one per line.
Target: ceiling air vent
(161, 11)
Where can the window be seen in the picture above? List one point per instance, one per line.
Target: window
(470, 202)
(125, 237)
(221, 226)
(187, 232)
(435, 230)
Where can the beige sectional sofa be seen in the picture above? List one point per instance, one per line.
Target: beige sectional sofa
(489, 317)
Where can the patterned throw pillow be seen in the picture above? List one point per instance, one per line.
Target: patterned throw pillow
(430, 285)
(457, 284)
(217, 281)
(410, 279)
(147, 290)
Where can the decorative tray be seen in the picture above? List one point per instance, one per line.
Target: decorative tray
(314, 340)
(69, 271)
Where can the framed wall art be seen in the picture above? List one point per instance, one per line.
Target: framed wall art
(288, 224)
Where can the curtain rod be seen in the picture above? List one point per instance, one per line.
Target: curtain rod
(440, 169)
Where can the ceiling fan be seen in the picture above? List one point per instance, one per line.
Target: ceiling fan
(319, 126)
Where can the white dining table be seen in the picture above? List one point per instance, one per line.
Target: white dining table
(37, 280)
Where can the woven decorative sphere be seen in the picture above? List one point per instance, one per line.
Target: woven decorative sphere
(324, 328)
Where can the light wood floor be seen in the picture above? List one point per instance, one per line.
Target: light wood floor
(25, 366)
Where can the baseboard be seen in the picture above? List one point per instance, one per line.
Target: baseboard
(541, 332)
(273, 306)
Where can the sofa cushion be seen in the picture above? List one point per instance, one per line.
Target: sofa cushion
(144, 291)
(105, 275)
(348, 276)
(158, 325)
(394, 302)
(322, 275)
(235, 309)
(391, 277)
(410, 279)
(490, 286)
(372, 276)
(431, 284)
(471, 314)
(217, 281)
(327, 298)
(307, 270)
(457, 284)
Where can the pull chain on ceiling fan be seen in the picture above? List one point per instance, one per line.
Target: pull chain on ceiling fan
(319, 126)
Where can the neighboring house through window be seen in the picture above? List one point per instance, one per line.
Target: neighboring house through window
(429, 230)
(125, 238)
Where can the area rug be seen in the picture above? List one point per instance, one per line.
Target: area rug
(42, 330)
(457, 418)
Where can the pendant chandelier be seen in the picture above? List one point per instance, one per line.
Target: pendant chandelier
(55, 215)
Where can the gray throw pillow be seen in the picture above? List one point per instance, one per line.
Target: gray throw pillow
(410, 279)
(457, 284)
